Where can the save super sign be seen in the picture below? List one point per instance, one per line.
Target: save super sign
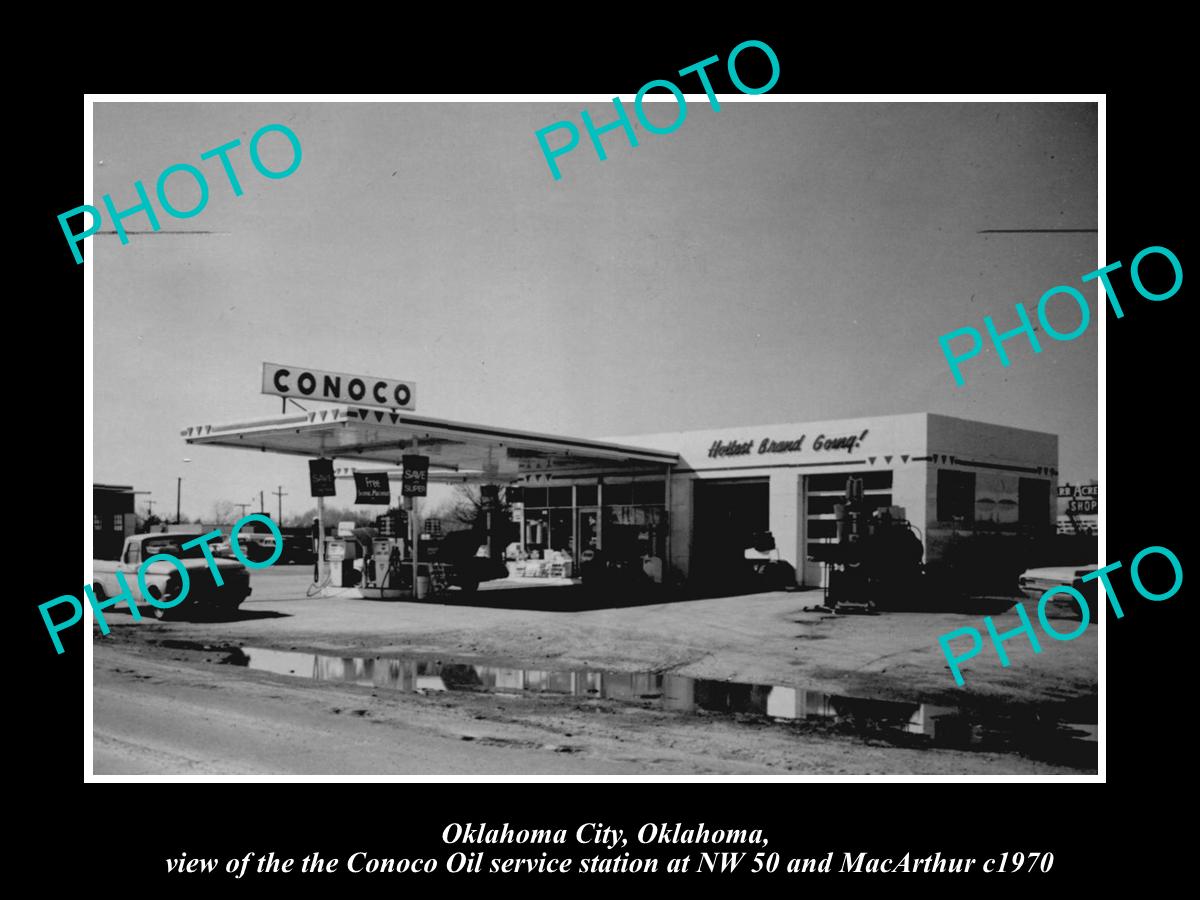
(416, 475)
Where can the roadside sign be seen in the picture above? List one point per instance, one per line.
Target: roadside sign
(301, 383)
(518, 512)
(372, 488)
(320, 478)
(1078, 490)
(416, 476)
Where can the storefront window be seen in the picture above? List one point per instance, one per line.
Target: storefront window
(634, 532)
(649, 492)
(537, 532)
(561, 530)
(618, 494)
(955, 496)
(585, 494)
(996, 500)
(1033, 505)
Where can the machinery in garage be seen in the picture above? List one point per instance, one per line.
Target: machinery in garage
(876, 563)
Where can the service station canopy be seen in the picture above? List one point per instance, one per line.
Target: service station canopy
(456, 451)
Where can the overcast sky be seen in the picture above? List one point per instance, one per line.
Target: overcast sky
(767, 263)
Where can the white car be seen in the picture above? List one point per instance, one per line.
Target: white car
(1035, 582)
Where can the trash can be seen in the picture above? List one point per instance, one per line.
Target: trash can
(422, 586)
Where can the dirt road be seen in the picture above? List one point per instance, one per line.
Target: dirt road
(167, 701)
(164, 706)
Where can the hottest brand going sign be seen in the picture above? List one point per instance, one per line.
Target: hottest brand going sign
(338, 387)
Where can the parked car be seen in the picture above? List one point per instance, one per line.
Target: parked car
(163, 580)
(222, 548)
(298, 547)
(1035, 582)
(256, 546)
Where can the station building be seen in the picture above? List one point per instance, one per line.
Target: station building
(953, 477)
(695, 499)
(113, 518)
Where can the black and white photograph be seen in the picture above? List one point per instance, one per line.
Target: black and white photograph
(733, 434)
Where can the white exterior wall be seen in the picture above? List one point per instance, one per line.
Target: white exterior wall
(902, 444)
(785, 470)
(787, 516)
(680, 515)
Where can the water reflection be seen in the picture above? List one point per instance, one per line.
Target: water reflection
(940, 725)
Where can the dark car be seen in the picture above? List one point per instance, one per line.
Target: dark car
(465, 568)
(298, 547)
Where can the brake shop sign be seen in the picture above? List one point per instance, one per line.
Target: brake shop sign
(1082, 499)
(300, 383)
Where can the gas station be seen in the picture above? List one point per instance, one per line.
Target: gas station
(698, 507)
(411, 449)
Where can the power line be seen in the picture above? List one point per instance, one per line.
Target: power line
(1037, 231)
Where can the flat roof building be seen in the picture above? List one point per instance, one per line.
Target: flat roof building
(695, 499)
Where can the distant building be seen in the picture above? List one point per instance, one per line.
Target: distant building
(1078, 508)
(112, 519)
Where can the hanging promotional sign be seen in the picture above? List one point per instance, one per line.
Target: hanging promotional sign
(372, 488)
(320, 478)
(416, 476)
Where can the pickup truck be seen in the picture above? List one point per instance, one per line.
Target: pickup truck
(162, 577)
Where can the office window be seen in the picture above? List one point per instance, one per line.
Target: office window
(97, 522)
(118, 522)
(955, 496)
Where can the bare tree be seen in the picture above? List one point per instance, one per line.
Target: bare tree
(332, 514)
(465, 506)
(223, 512)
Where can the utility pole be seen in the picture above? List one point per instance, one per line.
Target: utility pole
(179, 491)
(262, 508)
(280, 493)
(242, 507)
(150, 508)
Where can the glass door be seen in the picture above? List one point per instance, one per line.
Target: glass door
(588, 533)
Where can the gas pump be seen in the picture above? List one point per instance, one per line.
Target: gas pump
(876, 561)
(385, 575)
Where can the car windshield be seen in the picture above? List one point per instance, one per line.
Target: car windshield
(173, 545)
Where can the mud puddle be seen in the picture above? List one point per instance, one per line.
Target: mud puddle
(913, 724)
